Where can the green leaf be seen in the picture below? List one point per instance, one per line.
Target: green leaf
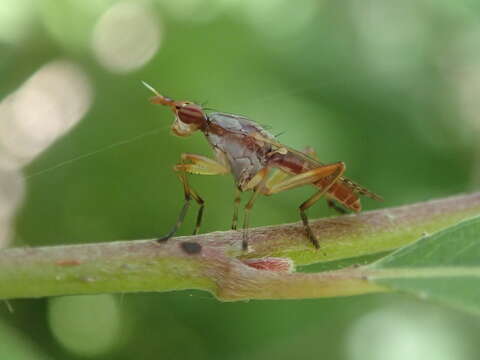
(443, 267)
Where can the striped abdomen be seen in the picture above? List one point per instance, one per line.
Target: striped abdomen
(342, 193)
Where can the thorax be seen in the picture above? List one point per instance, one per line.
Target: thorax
(235, 147)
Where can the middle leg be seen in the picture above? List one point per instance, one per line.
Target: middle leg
(260, 179)
(236, 204)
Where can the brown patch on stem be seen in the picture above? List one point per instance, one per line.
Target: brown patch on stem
(271, 263)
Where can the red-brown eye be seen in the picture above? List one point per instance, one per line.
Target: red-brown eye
(191, 114)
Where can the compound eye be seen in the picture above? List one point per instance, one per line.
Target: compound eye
(190, 113)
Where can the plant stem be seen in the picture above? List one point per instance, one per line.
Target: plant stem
(215, 262)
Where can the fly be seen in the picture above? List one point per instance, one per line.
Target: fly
(258, 163)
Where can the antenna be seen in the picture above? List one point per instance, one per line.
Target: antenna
(151, 88)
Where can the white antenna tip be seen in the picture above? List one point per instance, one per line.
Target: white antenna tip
(149, 87)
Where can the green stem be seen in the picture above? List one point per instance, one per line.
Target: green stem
(429, 273)
(366, 233)
(215, 262)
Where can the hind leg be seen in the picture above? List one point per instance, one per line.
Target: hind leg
(310, 151)
(332, 171)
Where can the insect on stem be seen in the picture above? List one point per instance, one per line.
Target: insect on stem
(247, 151)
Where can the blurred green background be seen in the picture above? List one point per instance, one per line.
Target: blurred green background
(388, 87)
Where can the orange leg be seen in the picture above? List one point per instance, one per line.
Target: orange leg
(332, 171)
(306, 178)
(310, 151)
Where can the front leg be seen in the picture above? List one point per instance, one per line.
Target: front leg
(193, 164)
